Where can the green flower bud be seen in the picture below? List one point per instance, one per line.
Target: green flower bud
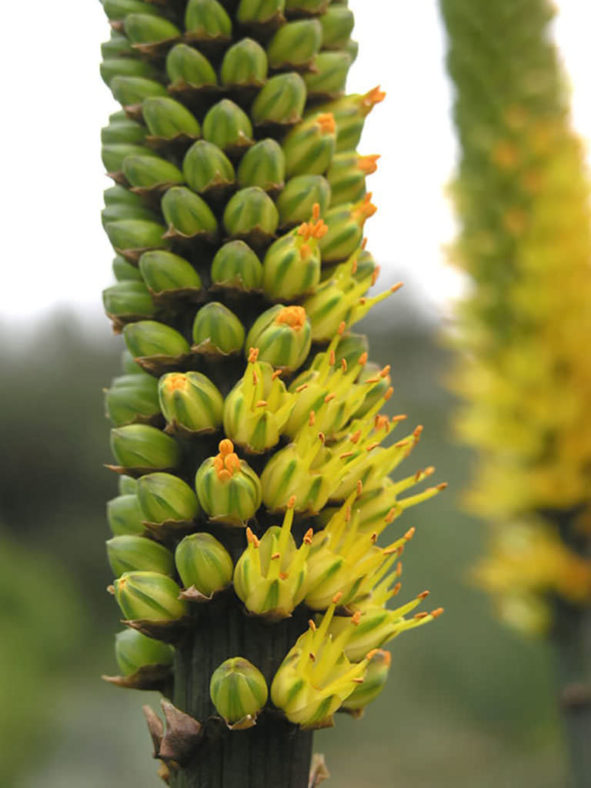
(337, 26)
(228, 490)
(187, 213)
(307, 7)
(204, 563)
(186, 66)
(350, 113)
(206, 167)
(150, 338)
(123, 132)
(347, 175)
(217, 331)
(376, 393)
(292, 264)
(366, 266)
(282, 336)
(133, 90)
(375, 680)
(165, 498)
(286, 477)
(118, 116)
(150, 171)
(228, 127)
(244, 65)
(118, 9)
(165, 272)
(257, 408)
(330, 73)
(295, 44)
(281, 101)
(260, 12)
(167, 118)
(119, 195)
(149, 29)
(296, 202)
(125, 67)
(117, 47)
(310, 146)
(351, 348)
(263, 166)
(190, 400)
(124, 271)
(129, 365)
(132, 398)
(114, 154)
(131, 235)
(206, 20)
(352, 49)
(345, 230)
(124, 514)
(237, 267)
(270, 576)
(127, 485)
(137, 553)
(120, 211)
(149, 596)
(239, 691)
(142, 446)
(134, 651)
(128, 299)
(251, 212)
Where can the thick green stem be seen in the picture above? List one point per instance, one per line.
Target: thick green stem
(274, 753)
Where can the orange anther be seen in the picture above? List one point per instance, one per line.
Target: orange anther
(388, 394)
(252, 539)
(442, 486)
(436, 613)
(396, 287)
(363, 359)
(368, 164)
(312, 418)
(226, 446)
(332, 358)
(337, 598)
(344, 366)
(376, 275)
(341, 328)
(373, 97)
(410, 533)
(359, 488)
(276, 374)
(330, 397)
(385, 371)
(291, 502)
(292, 316)
(261, 403)
(176, 381)
(308, 536)
(419, 616)
(275, 556)
(355, 437)
(327, 123)
(423, 595)
(396, 589)
(356, 618)
(312, 625)
(253, 355)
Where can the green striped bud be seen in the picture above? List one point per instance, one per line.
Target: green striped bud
(164, 498)
(124, 515)
(150, 338)
(295, 44)
(123, 132)
(134, 651)
(217, 331)
(165, 272)
(310, 146)
(188, 214)
(296, 202)
(150, 171)
(129, 91)
(168, 119)
(128, 299)
(239, 692)
(244, 65)
(281, 101)
(124, 271)
(118, 9)
(129, 236)
(374, 682)
(204, 564)
(132, 398)
(327, 308)
(116, 47)
(206, 20)
(127, 485)
(282, 336)
(119, 195)
(345, 229)
(236, 267)
(142, 446)
(307, 7)
(120, 211)
(229, 491)
(113, 155)
(291, 267)
(186, 66)
(347, 175)
(129, 365)
(251, 212)
(263, 166)
(125, 67)
(228, 126)
(366, 266)
(206, 167)
(149, 596)
(189, 400)
(257, 408)
(352, 49)
(137, 553)
(261, 12)
(350, 113)
(270, 576)
(149, 29)
(337, 25)
(286, 477)
(351, 348)
(329, 75)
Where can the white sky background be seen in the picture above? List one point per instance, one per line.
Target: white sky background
(54, 103)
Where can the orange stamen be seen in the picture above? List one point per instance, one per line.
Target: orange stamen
(292, 316)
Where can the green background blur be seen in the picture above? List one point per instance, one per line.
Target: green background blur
(468, 703)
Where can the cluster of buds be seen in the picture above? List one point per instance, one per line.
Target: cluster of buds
(237, 219)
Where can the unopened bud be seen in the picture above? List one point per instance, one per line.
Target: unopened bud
(132, 235)
(207, 20)
(125, 131)
(281, 101)
(251, 212)
(239, 692)
(347, 177)
(124, 514)
(263, 166)
(122, 210)
(128, 299)
(329, 76)
(137, 553)
(351, 348)
(311, 7)
(295, 44)
(165, 272)
(132, 398)
(374, 682)
(118, 9)
(228, 126)
(244, 65)
(187, 214)
(282, 336)
(260, 12)
(191, 401)
(150, 171)
(337, 26)
(204, 563)
(345, 230)
(149, 29)
(116, 47)
(149, 596)
(167, 118)
(114, 154)
(134, 651)
(186, 66)
(296, 202)
(291, 267)
(129, 91)
(142, 446)
(125, 67)
(165, 498)
(206, 167)
(309, 147)
(217, 331)
(237, 267)
(150, 338)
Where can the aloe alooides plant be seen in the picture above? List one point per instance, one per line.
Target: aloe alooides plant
(247, 424)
